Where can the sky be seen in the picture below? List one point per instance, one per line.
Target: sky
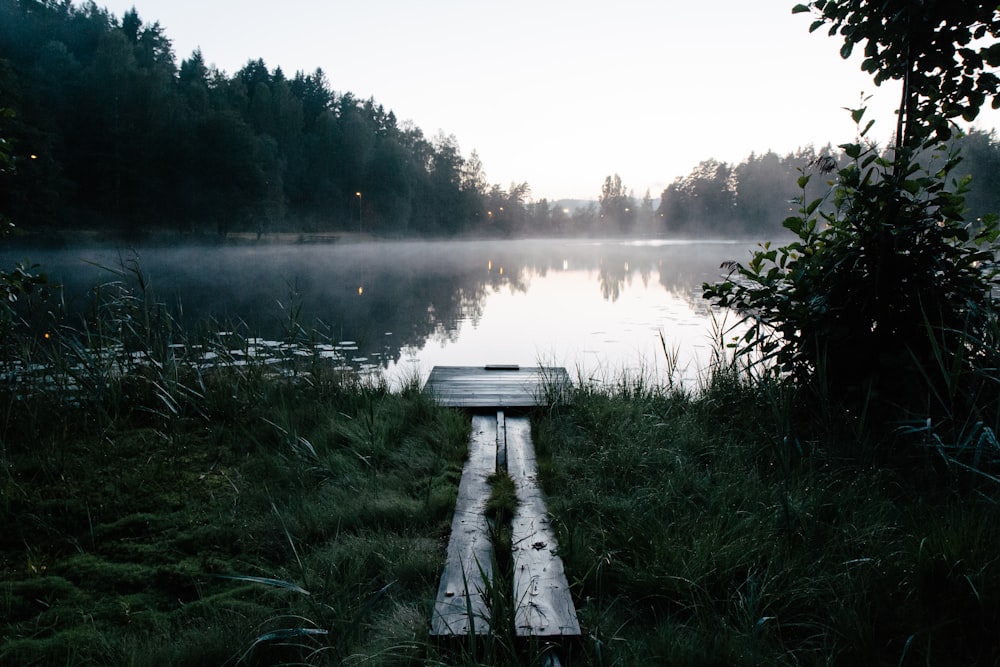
(560, 93)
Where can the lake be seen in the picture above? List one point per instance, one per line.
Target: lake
(597, 307)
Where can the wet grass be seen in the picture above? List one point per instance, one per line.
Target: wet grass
(695, 531)
(305, 522)
(163, 513)
(310, 514)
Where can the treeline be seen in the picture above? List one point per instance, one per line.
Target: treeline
(107, 130)
(101, 128)
(752, 198)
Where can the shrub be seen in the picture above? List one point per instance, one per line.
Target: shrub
(883, 304)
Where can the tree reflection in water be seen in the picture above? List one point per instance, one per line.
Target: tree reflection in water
(421, 303)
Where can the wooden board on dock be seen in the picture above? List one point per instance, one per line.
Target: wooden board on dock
(544, 606)
(496, 386)
(469, 558)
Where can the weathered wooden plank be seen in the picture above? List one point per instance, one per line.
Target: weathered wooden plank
(541, 592)
(494, 386)
(469, 558)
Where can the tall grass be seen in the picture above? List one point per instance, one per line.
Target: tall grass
(710, 528)
(158, 510)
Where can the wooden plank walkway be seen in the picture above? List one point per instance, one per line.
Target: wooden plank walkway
(541, 595)
(544, 604)
(469, 559)
(496, 386)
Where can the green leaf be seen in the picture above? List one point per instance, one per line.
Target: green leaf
(857, 114)
(853, 151)
(846, 50)
(800, 9)
(793, 224)
(987, 236)
(992, 55)
(803, 180)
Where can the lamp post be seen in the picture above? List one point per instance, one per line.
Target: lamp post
(360, 210)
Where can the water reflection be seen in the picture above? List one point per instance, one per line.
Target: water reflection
(404, 306)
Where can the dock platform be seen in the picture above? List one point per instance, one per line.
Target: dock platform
(497, 386)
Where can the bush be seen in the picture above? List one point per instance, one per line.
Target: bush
(884, 303)
(884, 307)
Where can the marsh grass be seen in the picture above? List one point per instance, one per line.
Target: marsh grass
(160, 512)
(706, 529)
(270, 531)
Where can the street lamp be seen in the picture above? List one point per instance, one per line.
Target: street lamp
(360, 210)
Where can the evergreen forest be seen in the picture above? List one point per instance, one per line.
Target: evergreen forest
(108, 131)
(104, 130)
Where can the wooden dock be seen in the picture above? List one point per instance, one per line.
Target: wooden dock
(543, 605)
(497, 386)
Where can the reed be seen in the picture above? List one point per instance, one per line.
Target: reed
(706, 530)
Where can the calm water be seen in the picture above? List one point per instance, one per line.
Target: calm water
(595, 307)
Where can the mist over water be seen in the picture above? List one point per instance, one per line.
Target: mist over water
(595, 307)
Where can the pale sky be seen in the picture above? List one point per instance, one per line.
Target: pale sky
(559, 93)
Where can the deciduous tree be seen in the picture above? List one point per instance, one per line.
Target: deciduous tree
(884, 306)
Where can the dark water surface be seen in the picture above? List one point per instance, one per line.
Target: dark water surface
(595, 307)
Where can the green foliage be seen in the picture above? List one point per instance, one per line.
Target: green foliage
(859, 303)
(886, 298)
(694, 533)
(941, 51)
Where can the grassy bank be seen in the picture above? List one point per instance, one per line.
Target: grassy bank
(696, 533)
(311, 512)
(157, 512)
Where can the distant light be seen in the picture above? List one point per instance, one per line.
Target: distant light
(361, 290)
(357, 194)
(489, 266)
(566, 211)
(33, 156)
(565, 264)
(501, 270)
